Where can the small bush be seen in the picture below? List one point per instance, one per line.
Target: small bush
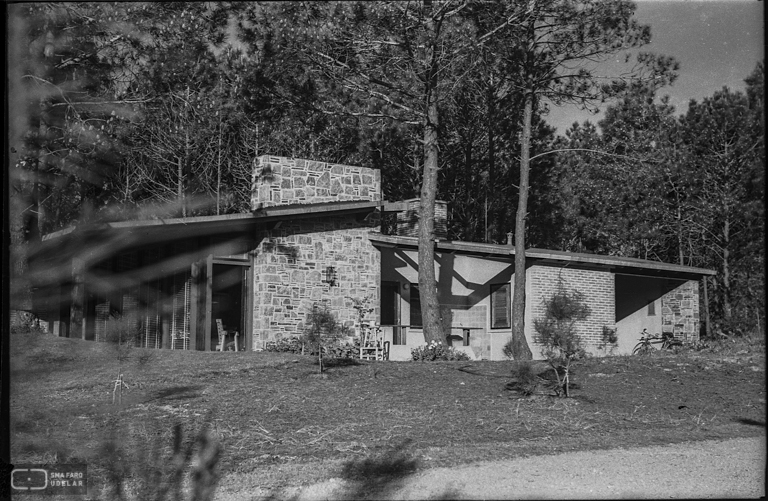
(344, 350)
(24, 322)
(561, 344)
(609, 335)
(437, 351)
(527, 381)
(507, 350)
(322, 332)
(123, 333)
(296, 345)
(285, 345)
(609, 339)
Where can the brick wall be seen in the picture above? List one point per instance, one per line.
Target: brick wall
(284, 181)
(597, 287)
(289, 268)
(680, 312)
(408, 220)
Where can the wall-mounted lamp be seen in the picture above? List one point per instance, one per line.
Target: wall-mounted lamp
(330, 276)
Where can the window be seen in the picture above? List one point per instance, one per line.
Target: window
(500, 302)
(652, 309)
(415, 320)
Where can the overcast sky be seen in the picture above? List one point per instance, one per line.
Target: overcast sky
(718, 43)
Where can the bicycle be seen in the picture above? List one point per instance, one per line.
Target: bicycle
(645, 346)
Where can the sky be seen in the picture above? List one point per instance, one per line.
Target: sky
(717, 43)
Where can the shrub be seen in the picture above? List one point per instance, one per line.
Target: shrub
(437, 351)
(24, 322)
(297, 346)
(561, 344)
(322, 331)
(123, 333)
(527, 381)
(285, 345)
(609, 339)
(507, 350)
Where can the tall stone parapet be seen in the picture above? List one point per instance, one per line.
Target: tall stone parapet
(408, 220)
(287, 181)
(680, 312)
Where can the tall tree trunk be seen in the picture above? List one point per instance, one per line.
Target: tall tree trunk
(471, 228)
(680, 234)
(491, 180)
(726, 293)
(520, 349)
(180, 186)
(218, 172)
(430, 307)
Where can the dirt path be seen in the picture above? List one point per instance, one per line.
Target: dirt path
(711, 469)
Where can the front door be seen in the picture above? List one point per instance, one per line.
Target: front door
(390, 311)
(229, 320)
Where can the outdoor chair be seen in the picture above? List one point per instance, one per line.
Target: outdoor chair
(372, 344)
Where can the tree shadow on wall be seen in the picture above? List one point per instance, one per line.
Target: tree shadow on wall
(290, 251)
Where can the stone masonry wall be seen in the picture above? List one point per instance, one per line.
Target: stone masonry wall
(680, 312)
(289, 268)
(408, 220)
(598, 288)
(284, 181)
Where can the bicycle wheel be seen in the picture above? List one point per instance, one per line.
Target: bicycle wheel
(671, 344)
(641, 348)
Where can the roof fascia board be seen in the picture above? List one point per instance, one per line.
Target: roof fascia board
(545, 257)
(335, 208)
(614, 261)
(263, 215)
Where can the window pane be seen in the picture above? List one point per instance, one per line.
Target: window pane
(500, 314)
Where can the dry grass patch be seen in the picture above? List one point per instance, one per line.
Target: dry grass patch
(274, 415)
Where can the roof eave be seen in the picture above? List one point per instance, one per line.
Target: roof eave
(555, 258)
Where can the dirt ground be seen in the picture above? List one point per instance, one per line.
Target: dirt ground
(376, 427)
(708, 470)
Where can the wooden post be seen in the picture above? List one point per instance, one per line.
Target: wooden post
(194, 307)
(76, 313)
(207, 310)
(707, 326)
(165, 326)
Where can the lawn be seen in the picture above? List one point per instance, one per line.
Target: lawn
(279, 422)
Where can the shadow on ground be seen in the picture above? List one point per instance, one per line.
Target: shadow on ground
(751, 422)
(378, 476)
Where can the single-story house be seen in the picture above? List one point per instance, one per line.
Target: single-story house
(314, 237)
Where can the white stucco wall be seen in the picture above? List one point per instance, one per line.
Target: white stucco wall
(463, 292)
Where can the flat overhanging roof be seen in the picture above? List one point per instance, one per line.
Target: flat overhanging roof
(616, 264)
(109, 238)
(170, 228)
(126, 234)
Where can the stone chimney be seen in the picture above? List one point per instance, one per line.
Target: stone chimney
(408, 220)
(286, 181)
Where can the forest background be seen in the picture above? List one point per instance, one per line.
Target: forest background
(146, 110)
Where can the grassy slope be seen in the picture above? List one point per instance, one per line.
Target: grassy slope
(274, 415)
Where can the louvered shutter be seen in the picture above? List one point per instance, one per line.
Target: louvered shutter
(500, 306)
